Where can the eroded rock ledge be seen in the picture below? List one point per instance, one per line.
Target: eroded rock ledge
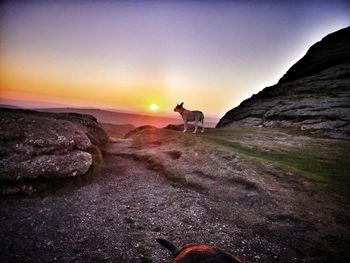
(314, 95)
(39, 145)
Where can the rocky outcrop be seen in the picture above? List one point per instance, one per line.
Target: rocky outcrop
(37, 145)
(331, 51)
(314, 95)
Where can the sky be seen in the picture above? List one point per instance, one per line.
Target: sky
(127, 55)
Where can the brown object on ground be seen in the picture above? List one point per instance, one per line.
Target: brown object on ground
(198, 253)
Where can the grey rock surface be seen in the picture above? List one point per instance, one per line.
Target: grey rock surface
(313, 99)
(46, 145)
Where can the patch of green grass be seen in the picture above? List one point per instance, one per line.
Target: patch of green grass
(96, 154)
(322, 160)
(94, 170)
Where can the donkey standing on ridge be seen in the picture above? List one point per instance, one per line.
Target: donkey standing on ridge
(188, 115)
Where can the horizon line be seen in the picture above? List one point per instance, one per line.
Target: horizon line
(53, 105)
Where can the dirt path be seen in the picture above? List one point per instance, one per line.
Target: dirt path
(118, 216)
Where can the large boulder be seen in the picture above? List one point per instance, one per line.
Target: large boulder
(314, 95)
(38, 145)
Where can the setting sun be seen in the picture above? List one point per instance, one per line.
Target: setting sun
(154, 107)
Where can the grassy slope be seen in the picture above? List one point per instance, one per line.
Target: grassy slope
(323, 160)
(320, 159)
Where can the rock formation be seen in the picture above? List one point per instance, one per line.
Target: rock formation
(313, 95)
(39, 145)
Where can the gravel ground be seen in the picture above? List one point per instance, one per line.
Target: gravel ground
(118, 216)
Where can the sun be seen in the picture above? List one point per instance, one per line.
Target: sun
(154, 107)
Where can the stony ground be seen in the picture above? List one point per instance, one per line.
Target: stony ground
(186, 188)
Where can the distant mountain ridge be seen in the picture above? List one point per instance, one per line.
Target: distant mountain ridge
(313, 95)
(113, 117)
(121, 118)
(118, 117)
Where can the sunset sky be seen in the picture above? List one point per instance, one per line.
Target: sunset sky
(130, 54)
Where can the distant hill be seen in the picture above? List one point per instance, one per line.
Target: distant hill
(120, 118)
(29, 104)
(6, 106)
(312, 96)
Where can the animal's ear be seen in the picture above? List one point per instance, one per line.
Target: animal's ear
(181, 104)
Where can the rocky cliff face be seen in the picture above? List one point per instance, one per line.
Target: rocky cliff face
(36, 145)
(313, 95)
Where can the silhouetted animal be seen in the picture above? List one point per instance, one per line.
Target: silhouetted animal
(188, 115)
(198, 253)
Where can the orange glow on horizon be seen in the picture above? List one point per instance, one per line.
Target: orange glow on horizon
(128, 56)
(15, 84)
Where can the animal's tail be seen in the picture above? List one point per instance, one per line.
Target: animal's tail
(168, 245)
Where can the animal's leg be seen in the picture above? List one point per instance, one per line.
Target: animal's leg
(185, 126)
(202, 124)
(195, 126)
